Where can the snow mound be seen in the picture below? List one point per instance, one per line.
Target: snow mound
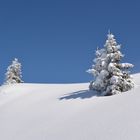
(68, 112)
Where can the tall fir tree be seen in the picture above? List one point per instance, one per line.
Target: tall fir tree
(111, 76)
(13, 74)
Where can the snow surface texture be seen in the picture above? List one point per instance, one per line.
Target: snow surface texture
(68, 112)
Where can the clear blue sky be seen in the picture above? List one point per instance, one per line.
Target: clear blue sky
(55, 39)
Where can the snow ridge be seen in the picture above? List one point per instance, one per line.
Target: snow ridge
(68, 112)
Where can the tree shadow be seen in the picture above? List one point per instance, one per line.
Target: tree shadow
(83, 94)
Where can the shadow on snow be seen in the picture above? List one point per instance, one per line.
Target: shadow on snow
(83, 94)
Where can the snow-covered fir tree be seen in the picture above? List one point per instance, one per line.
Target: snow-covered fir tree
(110, 75)
(13, 74)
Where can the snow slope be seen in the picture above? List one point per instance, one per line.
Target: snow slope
(68, 112)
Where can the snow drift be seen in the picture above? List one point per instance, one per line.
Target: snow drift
(68, 112)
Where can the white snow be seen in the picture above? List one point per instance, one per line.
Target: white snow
(68, 112)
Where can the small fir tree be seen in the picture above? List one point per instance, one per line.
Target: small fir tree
(13, 74)
(111, 76)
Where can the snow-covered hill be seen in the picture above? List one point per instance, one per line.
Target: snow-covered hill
(68, 112)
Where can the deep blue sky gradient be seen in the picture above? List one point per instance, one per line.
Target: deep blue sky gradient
(55, 39)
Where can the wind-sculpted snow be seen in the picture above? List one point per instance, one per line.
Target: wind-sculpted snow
(68, 112)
